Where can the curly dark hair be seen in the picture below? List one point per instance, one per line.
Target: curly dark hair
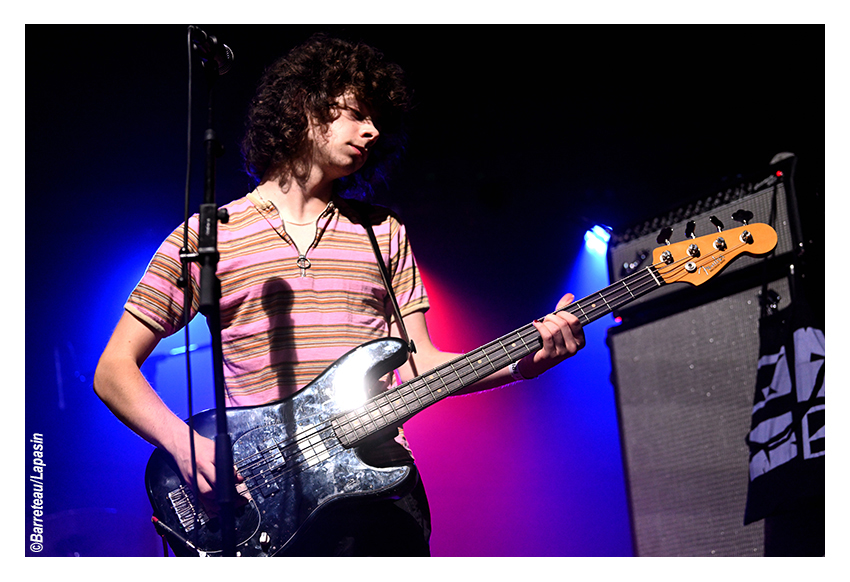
(307, 82)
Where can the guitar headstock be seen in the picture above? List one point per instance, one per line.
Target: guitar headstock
(696, 260)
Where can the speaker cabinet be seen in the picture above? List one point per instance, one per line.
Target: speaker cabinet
(684, 386)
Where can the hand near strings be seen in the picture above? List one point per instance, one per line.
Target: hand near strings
(205, 462)
(562, 335)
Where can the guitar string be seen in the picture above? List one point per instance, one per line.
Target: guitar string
(330, 445)
(326, 431)
(396, 395)
(323, 431)
(641, 283)
(402, 395)
(644, 281)
(668, 272)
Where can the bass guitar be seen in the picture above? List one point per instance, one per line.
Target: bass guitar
(303, 455)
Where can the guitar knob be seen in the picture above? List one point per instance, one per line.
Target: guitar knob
(690, 228)
(664, 236)
(265, 541)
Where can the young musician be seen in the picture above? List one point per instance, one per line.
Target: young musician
(300, 283)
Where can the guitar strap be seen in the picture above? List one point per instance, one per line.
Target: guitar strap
(386, 278)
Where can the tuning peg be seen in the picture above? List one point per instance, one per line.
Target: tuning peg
(743, 216)
(716, 222)
(690, 228)
(664, 236)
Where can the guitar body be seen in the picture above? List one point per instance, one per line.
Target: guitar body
(303, 455)
(294, 467)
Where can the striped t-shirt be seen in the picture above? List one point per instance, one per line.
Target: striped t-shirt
(284, 323)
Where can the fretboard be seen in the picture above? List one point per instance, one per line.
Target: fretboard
(394, 407)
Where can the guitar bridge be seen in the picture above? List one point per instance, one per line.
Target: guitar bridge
(185, 506)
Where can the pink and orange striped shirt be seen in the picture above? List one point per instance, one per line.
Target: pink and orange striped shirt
(282, 324)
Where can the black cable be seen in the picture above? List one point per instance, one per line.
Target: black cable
(186, 282)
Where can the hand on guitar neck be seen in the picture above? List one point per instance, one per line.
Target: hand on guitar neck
(562, 336)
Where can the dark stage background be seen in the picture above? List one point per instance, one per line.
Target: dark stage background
(522, 138)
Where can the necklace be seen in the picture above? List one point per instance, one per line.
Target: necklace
(311, 223)
(289, 222)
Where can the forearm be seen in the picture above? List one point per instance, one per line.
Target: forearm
(119, 383)
(121, 386)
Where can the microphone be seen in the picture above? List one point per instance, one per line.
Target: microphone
(211, 50)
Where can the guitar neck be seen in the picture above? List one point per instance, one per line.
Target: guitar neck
(394, 407)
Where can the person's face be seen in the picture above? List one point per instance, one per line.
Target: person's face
(342, 147)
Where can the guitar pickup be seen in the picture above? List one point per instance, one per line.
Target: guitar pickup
(261, 475)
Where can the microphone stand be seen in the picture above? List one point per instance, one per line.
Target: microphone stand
(209, 299)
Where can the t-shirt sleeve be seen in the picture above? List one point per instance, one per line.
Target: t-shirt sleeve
(157, 300)
(404, 272)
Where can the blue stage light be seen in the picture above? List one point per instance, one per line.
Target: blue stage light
(596, 239)
(182, 350)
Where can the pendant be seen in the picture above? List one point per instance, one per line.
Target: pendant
(303, 264)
